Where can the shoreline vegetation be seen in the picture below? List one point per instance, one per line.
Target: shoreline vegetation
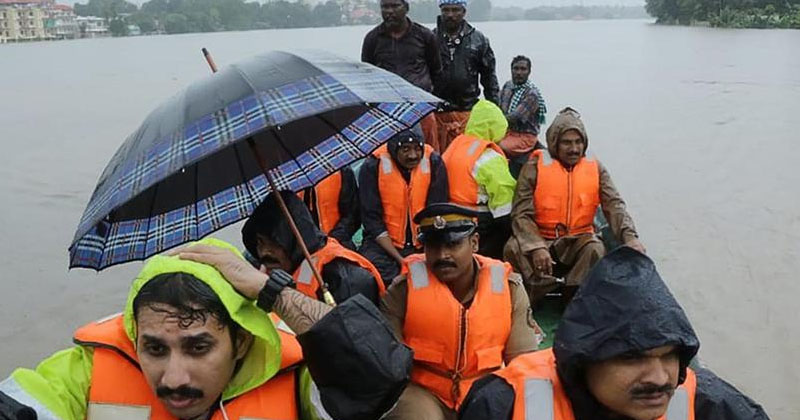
(190, 16)
(758, 14)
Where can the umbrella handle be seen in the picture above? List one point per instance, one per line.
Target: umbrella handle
(326, 294)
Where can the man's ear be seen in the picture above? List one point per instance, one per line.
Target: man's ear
(475, 240)
(243, 342)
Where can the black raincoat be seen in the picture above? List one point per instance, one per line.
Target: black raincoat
(344, 278)
(623, 306)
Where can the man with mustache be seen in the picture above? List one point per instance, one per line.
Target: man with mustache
(466, 58)
(463, 314)
(524, 108)
(268, 237)
(398, 180)
(622, 352)
(407, 49)
(558, 193)
(196, 341)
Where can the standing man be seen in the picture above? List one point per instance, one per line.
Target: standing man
(624, 360)
(479, 177)
(407, 49)
(466, 57)
(463, 314)
(195, 341)
(397, 181)
(268, 237)
(524, 108)
(333, 204)
(558, 192)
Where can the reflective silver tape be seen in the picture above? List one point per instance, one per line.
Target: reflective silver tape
(11, 388)
(386, 164)
(98, 411)
(419, 275)
(497, 273)
(306, 274)
(538, 399)
(546, 159)
(678, 408)
(425, 165)
(473, 147)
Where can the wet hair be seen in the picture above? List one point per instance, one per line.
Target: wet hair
(521, 58)
(189, 298)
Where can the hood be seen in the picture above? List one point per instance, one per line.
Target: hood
(622, 306)
(487, 122)
(268, 219)
(264, 357)
(567, 119)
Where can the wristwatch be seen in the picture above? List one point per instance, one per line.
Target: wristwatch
(278, 279)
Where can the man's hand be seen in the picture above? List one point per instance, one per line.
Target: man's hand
(542, 262)
(636, 244)
(246, 279)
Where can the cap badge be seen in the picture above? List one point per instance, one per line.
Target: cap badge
(439, 222)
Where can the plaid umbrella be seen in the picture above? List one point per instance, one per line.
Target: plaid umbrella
(187, 170)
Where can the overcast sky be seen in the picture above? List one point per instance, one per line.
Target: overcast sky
(501, 3)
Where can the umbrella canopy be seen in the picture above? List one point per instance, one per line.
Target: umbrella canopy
(187, 171)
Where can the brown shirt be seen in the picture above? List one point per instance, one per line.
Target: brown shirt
(523, 212)
(522, 338)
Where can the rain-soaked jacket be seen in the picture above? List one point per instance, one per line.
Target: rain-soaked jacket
(623, 306)
(371, 371)
(472, 57)
(523, 212)
(344, 278)
(59, 387)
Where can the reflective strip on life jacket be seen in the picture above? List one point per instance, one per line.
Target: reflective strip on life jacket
(463, 344)
(565, 200)
(462, 160)
(539, 394)
(401, 200)
(304, 275)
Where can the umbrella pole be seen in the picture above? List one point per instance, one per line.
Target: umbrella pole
(326, 294)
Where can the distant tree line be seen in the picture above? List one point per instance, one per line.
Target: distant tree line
(569, 12)
(728, 13)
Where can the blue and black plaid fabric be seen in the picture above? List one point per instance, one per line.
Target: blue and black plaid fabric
(100, 243)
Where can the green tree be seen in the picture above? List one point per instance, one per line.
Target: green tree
(328, 14)
(108, 9)
(118, 27)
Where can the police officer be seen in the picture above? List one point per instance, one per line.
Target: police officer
(463, 314)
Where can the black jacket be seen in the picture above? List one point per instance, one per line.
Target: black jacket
(472, 57)
(344, 278)
(623, 306)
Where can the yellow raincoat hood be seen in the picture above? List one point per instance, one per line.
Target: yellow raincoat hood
(487, 122)
(264, 357)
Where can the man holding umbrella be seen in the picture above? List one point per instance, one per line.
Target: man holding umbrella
(268, 238)
(195, 341)
(396, 182)
(463, 314)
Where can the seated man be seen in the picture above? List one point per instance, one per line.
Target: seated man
(268, 237)
(524, 108)
(463, 314)
(397, 181)
(478, 174)
(333, 203)
(557, 195)
(195, 341)
(626, 360)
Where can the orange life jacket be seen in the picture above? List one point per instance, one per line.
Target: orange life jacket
(325, 203)
(565, 201)
(304, 276)
(454, 346)
(119, 390)
(538, 389)
(460, 159)
(402, 200)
